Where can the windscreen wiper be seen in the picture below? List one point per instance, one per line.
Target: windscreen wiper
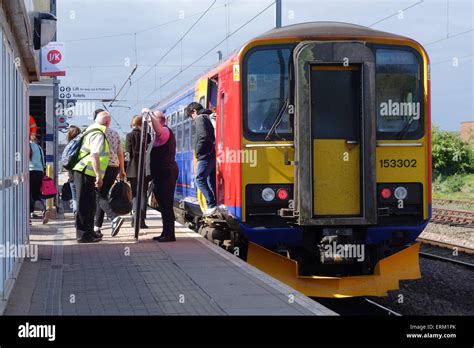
(278, 119)
(405, 128)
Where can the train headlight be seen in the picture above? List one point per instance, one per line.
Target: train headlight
(400, 193)
(268, 194)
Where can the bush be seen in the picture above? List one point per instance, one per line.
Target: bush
(454, 183)
(450, 155)
(438, 183)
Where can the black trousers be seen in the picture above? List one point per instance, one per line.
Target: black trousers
(164, 183)
(36, 179)
(85, 187)
(103, 196)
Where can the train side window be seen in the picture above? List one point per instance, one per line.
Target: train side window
(202, 101)
(179, 137)
(212, 95)
(222, 119)
(174, 118)
(193, 135)
(187, 130)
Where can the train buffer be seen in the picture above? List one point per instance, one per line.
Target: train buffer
(119, 276)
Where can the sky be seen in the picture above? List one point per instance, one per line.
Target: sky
(105, 39)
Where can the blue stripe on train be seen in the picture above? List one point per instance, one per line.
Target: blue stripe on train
(293, 236)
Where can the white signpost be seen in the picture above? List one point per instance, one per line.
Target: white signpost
(52, 59)
(87, 93)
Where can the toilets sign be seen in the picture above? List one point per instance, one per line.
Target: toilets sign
(103, 93)
(52, 59)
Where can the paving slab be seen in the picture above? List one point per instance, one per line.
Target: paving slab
(120, 276)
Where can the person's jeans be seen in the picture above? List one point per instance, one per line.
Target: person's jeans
(134, 186)
(206, 179)
(73, 195)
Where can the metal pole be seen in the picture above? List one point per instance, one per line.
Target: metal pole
(278, 14)
(141, 173)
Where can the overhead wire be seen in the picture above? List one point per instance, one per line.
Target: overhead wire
(213, 48)
(140, 31)
(396, 13)
(177, 42)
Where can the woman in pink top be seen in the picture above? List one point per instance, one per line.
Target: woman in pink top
(164, 173)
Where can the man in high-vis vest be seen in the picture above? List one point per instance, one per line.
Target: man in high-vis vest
(88, 175)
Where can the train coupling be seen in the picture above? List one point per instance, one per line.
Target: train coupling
(337, 246)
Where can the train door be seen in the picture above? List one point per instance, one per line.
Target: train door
(335, 133)
(207, 96)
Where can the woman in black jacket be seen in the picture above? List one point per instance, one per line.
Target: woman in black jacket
(132, 152)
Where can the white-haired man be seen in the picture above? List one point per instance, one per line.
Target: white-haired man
(88, 175)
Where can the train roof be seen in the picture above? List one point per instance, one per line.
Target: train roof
(309, 30)
(325, 29)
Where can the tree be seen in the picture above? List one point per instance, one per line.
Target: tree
(450, 155)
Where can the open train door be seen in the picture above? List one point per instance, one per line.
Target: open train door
(335, 116)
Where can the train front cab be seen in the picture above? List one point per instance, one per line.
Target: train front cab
(358, 174)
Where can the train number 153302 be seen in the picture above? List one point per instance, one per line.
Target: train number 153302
(398, 163)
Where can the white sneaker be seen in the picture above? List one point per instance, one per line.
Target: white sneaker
(210, 211)
(46, 217)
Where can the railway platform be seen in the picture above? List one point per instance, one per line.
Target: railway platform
(119, 276)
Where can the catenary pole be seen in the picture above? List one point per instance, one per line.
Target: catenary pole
(278, 13)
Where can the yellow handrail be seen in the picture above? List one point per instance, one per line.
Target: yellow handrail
(49, 201)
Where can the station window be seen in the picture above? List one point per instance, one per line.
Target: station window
(399, 93)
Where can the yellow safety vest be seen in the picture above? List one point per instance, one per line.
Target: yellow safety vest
(85, 161)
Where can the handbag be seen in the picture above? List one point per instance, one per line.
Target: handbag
(66, 194)
(48, 188)
(120, 198)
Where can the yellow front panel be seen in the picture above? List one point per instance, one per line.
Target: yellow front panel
(403, 164)
(336, 177)
(267, 166)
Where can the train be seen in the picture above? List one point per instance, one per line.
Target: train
(323, 156)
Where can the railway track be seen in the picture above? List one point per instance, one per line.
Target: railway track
(453, 217)
(356, 306)
(450, 202)
(447, 253)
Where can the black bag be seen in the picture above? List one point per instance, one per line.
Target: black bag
(121, 198)
(66, 194)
